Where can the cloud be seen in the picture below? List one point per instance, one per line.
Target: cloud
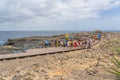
(51, 12)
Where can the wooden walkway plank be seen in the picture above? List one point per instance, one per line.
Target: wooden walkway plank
(36, 52)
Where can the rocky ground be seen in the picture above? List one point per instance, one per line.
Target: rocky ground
(90, 64)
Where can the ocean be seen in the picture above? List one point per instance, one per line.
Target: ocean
(4, 35)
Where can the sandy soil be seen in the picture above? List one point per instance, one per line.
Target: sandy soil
(88, 64)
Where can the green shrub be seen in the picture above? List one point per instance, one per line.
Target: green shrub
(116, 69)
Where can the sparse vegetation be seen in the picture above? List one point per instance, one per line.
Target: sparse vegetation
(116, 69)
(116, 50)
(116, 47)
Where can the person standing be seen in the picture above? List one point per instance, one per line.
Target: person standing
(66, 39)
(46, 43)
(75, 44)
(56, 43)
(108, 35)
(88, 45)
(99, 36)
(66, 36)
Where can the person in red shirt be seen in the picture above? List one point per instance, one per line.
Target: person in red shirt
(75, 44)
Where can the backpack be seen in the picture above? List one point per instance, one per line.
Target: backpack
(46, 42)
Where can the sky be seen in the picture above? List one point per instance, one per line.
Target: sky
(59, 15)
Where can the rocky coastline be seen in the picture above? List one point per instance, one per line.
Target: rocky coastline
(20, 44)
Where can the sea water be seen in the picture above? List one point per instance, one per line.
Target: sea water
(4, 35)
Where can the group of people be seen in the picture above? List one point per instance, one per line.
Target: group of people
(74, 42)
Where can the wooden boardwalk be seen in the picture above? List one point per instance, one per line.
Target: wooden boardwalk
(38, 52)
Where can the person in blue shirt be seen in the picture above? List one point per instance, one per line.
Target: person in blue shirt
(46, 43)
(99, 36)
